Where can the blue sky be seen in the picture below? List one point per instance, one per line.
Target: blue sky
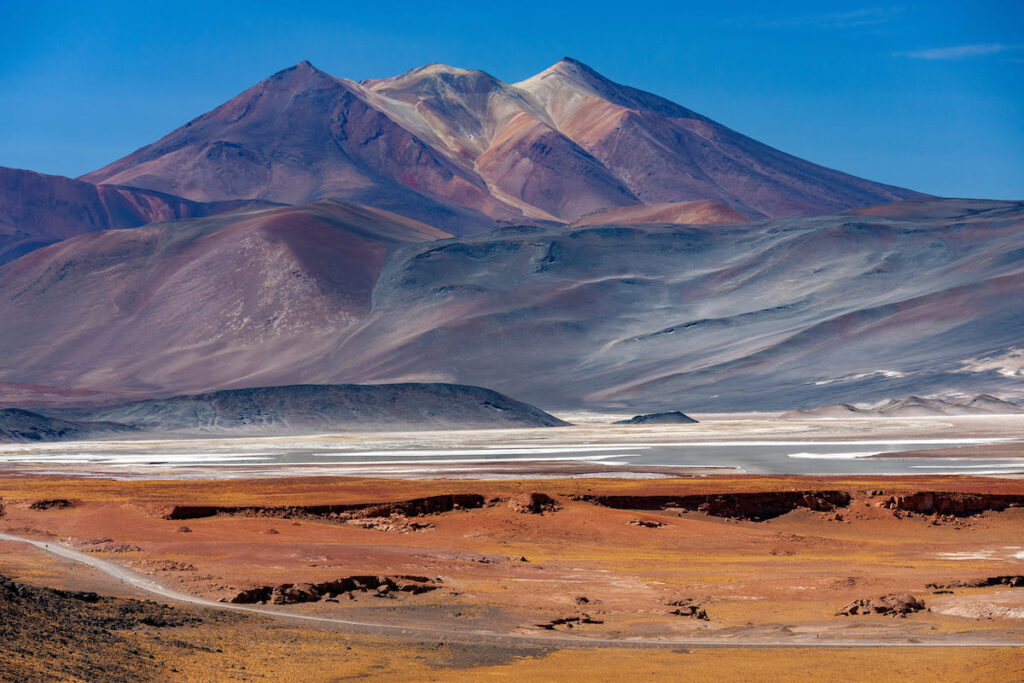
(928, 95)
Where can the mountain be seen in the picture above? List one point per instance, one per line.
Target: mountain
(466, 152)
(764, 315)
(666, 153)
(200, 300)
(38, 209)
(343, 407)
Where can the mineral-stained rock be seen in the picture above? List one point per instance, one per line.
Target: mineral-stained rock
(892, 604)
(533, 503)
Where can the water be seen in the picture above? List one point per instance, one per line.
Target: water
(337, 456)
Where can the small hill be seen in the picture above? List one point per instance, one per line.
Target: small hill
(25, 425)
(673, 418)
(913, 406)
(328, 408)
(700, 212)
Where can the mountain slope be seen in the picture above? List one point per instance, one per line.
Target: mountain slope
(467, 152)
(173, 304)
(38, 209)
(765, 315)
(759, 316)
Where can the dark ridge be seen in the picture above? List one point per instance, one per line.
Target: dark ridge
(753, 507)
(409, 508)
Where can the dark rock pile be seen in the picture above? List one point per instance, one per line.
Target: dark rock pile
(688, 607)
(533, 503)
(893, 604)
(293, 593)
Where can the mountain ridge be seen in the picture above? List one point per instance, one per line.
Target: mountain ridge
(467, 152)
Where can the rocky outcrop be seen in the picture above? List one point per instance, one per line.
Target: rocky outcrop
(893, 604)
(293, 593)
(58, 635)
(341, 512)
(688, 607)
(104, 545)
(749, 506)
(646, 523)
(1011, 580)
(393, 524)
(52, 504)
(569, 622)
(533, 504)
(952, 503)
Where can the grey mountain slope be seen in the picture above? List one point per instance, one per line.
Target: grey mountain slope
(24, 425)
(770, 315)
(776, 314)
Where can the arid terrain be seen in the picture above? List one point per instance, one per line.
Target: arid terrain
(452, 578)
(275, 387)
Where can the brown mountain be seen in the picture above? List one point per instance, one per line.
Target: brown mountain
(466, 152)
(38, 209)
(666, 153)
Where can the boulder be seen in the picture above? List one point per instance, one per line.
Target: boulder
(892, 604)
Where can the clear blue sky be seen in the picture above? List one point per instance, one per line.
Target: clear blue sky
(927, 95)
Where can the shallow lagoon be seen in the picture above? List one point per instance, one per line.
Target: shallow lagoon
(324, 455)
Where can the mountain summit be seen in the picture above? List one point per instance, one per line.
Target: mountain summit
(465, 151)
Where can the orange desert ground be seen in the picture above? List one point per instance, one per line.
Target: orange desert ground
(601, 574)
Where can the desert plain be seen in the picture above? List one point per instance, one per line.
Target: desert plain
(593, 568)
